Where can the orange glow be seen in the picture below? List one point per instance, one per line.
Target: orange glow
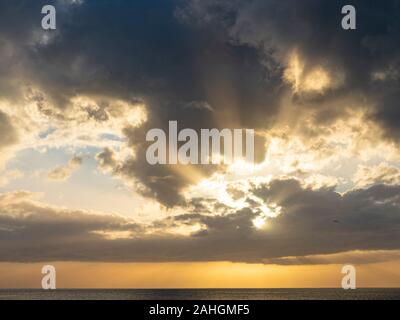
(196, 275)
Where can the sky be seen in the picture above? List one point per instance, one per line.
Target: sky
(76, 190)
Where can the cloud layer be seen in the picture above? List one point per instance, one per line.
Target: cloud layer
(323, 102)
(311, 223)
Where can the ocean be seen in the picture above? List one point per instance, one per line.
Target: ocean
(200, 294)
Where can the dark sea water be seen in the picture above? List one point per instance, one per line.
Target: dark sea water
(201, 294)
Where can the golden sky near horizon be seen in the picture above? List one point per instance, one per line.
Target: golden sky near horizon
(197, 275)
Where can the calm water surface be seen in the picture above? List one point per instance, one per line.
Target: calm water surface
(201, 294)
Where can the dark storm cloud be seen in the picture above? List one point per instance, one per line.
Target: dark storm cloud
(137, 49)
(141, 50)
(312, 222)
(227, 55)
(313, 28)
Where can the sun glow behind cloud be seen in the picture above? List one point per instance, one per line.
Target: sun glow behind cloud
(310, 79)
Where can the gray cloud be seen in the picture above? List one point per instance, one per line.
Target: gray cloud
(230, 55)
(8, 137)
(168, 67)
(312, 28)
(62, 173)
(8, 134)
(106, 159)
(312, 222)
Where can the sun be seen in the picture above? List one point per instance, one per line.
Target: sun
(259, 222)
